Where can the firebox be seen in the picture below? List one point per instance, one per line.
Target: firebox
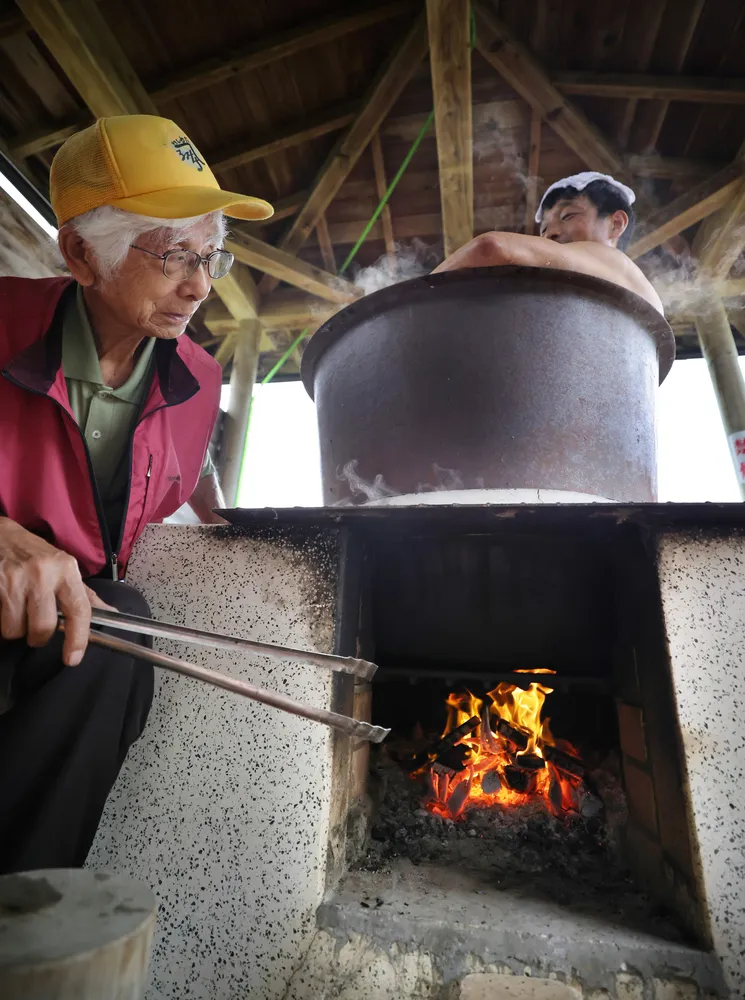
(530, 811)
(523, 673)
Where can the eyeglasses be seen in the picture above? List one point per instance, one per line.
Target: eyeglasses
(180, 265)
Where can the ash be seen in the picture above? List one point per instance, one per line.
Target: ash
(575, 861)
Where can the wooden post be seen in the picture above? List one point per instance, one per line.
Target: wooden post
(531, 194)
(449, 24)
(381, 186)
(242, 380)
(719, 349)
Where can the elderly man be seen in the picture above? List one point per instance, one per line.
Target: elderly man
(585, 221)
(106, 412)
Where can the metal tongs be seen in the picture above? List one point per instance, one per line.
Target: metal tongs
(180, 633)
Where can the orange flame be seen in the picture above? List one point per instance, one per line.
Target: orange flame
(494, 758)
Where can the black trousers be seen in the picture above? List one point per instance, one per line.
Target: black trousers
(64, 740)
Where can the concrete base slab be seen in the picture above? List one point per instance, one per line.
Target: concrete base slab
(418, 932)
(492, 986)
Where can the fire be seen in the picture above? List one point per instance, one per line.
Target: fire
(505, 755)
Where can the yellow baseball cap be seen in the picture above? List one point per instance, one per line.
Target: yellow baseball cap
(143, 164)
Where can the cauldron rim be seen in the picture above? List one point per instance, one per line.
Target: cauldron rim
(505, 278)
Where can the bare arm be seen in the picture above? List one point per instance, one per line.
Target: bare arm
(594, 259)
(206, 497)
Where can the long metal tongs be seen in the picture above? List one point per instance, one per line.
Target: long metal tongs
(352, 727)
(145, 626)
(198, 637)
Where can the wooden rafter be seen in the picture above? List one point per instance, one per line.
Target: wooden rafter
(449, 29)
(631, 86)
(281, 46)
(384, 92)
(285, 267)
(646, 30)
(652, 114)
(534, 158)
(381, 186)
(81, 41)
(309, 127)
(216, 70)
(427, 224)
(690, 208)
(516, 65)
(324, 242)
(721, 237)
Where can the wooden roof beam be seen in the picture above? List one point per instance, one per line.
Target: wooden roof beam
(496, 43)
(264, 53)
(449, 29)
(384, 92)
(381, 187)
(534, 157)
(688, 209)
(721, 237)
(283, 266)
(303, 130)
(276, 47)
(642, 87)
(86, 48)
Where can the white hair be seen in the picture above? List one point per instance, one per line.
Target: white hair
(110, 232)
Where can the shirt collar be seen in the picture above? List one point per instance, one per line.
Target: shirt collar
(80, 358)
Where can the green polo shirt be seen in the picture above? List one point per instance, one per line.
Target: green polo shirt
(106, 416)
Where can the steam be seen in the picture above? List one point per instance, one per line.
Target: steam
(495, 128)
(410, 261)
(378, 489)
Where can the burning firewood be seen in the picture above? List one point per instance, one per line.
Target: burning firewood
(564, 761)
(517, 736)
(448, 741)
(500, 751)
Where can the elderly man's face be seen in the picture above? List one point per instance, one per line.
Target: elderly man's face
(141, 299)
(574, 220)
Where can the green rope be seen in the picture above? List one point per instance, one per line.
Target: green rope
(391, 188)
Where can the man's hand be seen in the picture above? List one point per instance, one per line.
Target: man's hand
(35, 578)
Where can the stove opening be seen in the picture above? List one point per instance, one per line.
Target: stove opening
(534, 740)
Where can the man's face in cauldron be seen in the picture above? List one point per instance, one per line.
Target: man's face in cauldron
(575, 220)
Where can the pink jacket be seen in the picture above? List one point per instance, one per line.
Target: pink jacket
(46, 482)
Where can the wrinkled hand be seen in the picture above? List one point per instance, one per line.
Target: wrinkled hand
(36, 579)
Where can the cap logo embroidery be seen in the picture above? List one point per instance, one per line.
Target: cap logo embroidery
(187, 152)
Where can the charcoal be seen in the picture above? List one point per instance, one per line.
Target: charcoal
(519, 737)
(454, 758)
(530, 762)
(568, 859)
(519, 780)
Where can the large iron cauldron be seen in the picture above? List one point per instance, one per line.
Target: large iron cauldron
(512, 377)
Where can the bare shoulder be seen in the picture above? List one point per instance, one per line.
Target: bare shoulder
(614, 265)
(596, 259)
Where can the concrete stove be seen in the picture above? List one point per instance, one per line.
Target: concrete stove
(237, 816)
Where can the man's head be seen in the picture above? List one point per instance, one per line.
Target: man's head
(589, 206)
(138, 207)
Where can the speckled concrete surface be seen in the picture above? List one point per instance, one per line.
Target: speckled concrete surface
(222, 806)
(703, 596)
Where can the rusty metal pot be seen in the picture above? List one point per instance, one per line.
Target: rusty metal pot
(513, 378)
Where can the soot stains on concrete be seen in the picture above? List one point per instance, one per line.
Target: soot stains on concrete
(222, 804)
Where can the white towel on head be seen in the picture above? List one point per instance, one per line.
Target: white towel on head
(580, 182)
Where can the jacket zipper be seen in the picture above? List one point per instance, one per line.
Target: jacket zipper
(112, 557)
